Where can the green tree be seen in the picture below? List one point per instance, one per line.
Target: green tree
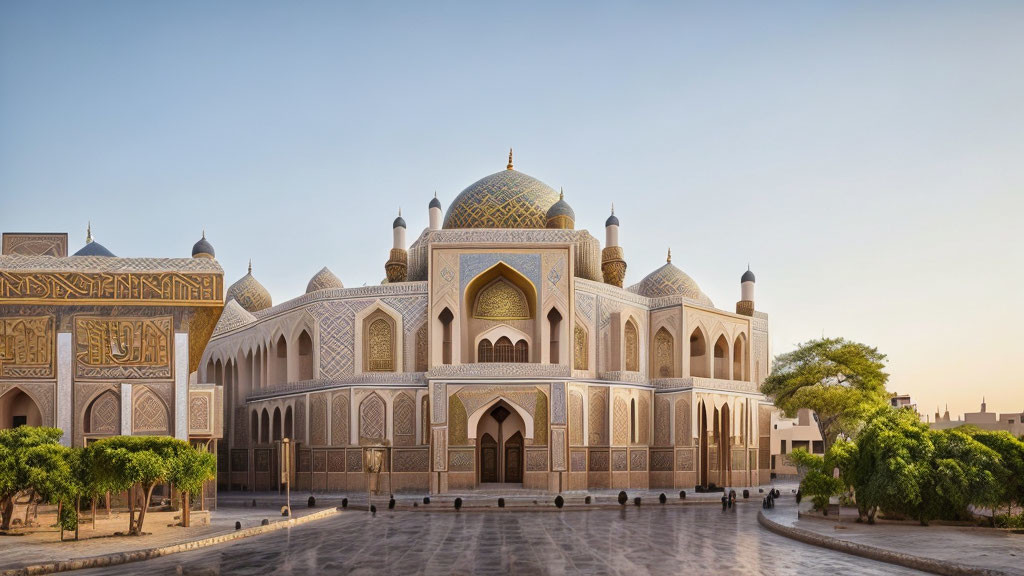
(189, 470)
(841, 381)
(891, 467)
(14, 468)
(1010, 478)
(53, 474)
(136, 462)
(818, 481)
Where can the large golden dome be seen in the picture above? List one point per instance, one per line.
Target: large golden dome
(506, 199)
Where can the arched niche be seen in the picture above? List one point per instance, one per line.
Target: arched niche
(506, 292)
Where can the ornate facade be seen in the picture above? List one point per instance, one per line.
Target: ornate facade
(504, 349)
(100, 346)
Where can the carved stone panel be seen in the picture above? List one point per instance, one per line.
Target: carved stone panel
(558, 403)
(27, 347)
(120, 348)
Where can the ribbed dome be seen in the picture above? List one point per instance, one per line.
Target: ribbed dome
(93, 248)
(670, 281)
(323, 280)
(203, 248)
(506, 199)
(249, 293)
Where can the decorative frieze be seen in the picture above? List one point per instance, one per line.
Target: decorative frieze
(118, 348)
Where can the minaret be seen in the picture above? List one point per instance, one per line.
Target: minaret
(397, 265)
(435, 213)
(746, 304)
(983, 404)
(613, 265)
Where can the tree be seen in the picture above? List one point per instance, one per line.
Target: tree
(14, 469)
(963, 472)
(841, 381)
(1010, 478)
(52, 473)
(189, 470)
(136, 462)
(818, 482)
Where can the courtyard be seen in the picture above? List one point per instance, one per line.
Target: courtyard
(700, 539)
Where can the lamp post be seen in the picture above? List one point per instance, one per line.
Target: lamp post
(286, 462)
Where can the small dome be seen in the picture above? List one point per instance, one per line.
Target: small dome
(323, 280)
(435, 203)
(506, 199)
(612, 220)
(748, 276)
(203, 248)
(561, 215)
(670, 281)
(399, 222)
(249, 293)
(93, 248)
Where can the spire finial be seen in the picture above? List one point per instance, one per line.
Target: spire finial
(435, 193)
(509, 167)
(613, 208)
(399, 211)
(204, 233)
(88, 233)
(561, 193)
(250, 265)
(669, 258)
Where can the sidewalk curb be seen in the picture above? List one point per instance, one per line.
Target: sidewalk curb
(149, 553)
(874, 553)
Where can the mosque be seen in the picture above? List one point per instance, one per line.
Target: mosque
(502, 350)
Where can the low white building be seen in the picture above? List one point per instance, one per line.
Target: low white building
(788, 434)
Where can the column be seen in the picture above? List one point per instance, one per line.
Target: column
(126, 409)
(181, 386)
(64, 399)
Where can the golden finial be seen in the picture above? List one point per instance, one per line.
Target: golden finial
(561, 193)
(669, 258)
(509, 167)
(250, 265)
(88, 233)
(613, 208)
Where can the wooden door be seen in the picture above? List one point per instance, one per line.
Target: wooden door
(488, 459)
(514, 459)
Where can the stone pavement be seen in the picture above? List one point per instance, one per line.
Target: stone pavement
(19, 551)
(939, 549)
(632, 541)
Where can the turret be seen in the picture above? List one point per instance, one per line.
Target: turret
(561, 215)
(435, 213)
(397, 265)
(613, 265)
(203, 248)
(746, 304)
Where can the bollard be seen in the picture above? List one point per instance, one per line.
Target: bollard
(559, 501)
(373, 510)
(264, 522)
(501, 502)
(586, 500)
(426, 499)
(662, 498)
(682, 494)
(311, 502)
(238, 525)
(623, 498)
(636, 501)
(391, 504)
(344, 502)
(458, 503)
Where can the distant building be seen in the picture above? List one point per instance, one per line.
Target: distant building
(1011, 422)
(788, 434)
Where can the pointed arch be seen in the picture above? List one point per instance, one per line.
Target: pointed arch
(740, 363)
(372, 419)
(149, 414)
(664, 354)
(305, 342)
(339, 419)
(474, 419)
(631, 337)
(722, 358)
(510, 294)
(278, 362)
(698, 354)
(19, 408)
(276, 426)
(289, 429)
(554, 336)
(265, 427)
(684, 433)
(103, 416)
(254, 427)
(422, 348)
(379, 342)
(404, 421)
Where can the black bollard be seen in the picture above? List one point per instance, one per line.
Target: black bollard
(373, 510)
(426, 499)
(636, 501)
(501, 502)
(344, 502)
(391, 504)
(458, 503)
(311, 502)
(682, 494)
(662, 498)
(253, 502)
(623, 498)
(746, 493)
(586, 500)
(264, 522)
(238, 525)
(559, 501)
(725, 502)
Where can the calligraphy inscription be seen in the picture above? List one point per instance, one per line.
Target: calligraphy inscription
(26, 347)
(104, 287)
(123, 347)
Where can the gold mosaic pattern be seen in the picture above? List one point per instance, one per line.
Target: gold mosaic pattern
(501, 301)
(620, 421)
(458, 422)
(580, 348)
(123, 347)
(27, 347)
(540, 420)
(506, 199)
(643, 409)
(380, 354)
(575, 418)
(421, 348)
(339, 419)
(662, 429)
(405, 421)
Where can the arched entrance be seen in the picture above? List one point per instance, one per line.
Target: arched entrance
(501, 433)
(702, 418)
(19, 409)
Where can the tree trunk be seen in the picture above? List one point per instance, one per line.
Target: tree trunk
(60, 508)
(78, 511)
(186, 510)
(6, 512)
(131, 510)
(107, 499)
(147, 493)
(94, 498)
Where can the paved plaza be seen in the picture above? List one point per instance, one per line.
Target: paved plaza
(650, 539)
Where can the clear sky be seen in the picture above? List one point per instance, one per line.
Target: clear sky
(866, 158)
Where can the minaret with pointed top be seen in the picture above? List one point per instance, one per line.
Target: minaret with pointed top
(613, 263)
(746, 304)
(509, 167)
(397, 266)
(435, 213)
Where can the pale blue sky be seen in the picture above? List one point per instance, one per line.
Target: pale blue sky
(865, 158)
